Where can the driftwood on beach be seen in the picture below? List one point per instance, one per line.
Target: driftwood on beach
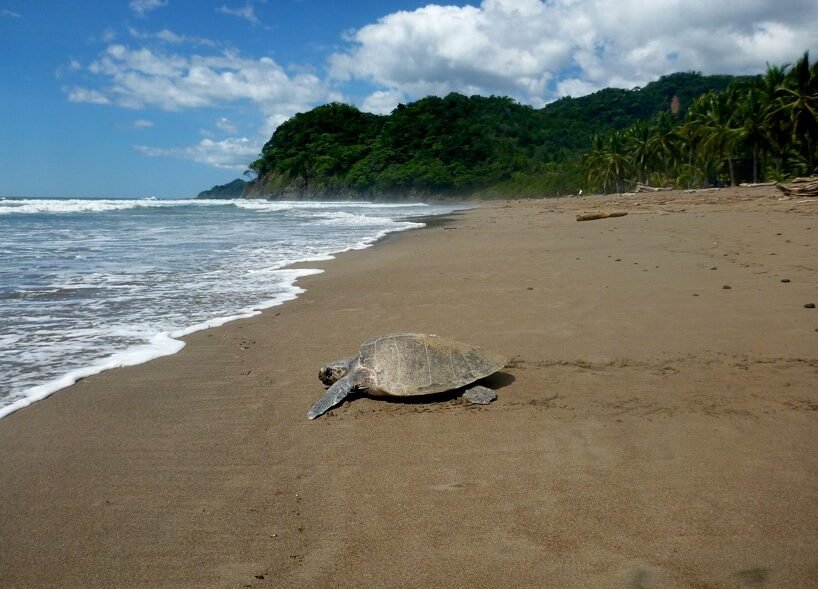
(800, 187)
(594, 216)
(645, 188)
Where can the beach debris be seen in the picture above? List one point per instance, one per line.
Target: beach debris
(407, 365)
(594, 216)
(646, 188)
(726, 287)
(785, 280)
(800, 187)
(809, 306)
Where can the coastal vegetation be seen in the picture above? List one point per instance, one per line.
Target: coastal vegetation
(683, 130)
(232, 189)
(757, 129)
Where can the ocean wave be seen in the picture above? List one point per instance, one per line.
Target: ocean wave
(306, 206)
(250, 203)
(343, 218)
(144, 281)
(159, 344)
(79, 205)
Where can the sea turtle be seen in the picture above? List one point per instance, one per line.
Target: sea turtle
(408, 365)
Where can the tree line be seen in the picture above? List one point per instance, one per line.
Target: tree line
(758, 129)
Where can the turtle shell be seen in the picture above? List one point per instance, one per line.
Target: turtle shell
(409, 364)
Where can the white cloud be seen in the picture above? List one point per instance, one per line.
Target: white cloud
(140, 78)
(247, 12)
(227, 125)
(143, 7)
(382, 102)
(108, 35)
(171, 38)
(79, 94)
(72, 66)
(536, 50)
(142, 124)
(6, 13)
(234, 153)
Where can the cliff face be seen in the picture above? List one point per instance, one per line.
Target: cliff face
(281, 187)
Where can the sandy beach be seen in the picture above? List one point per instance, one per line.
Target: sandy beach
(655, 426)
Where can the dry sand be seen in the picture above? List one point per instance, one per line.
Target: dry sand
(653, 429)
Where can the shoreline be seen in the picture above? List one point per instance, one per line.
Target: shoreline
(652, 428)
(164, 343)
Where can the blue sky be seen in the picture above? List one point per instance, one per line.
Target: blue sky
(169, 97)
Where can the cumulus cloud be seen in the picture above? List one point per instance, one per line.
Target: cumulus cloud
(247, 12)
(80, 94)
(233, 154)
(536, 50)
(171, 38)
(227, 125)
(143, 7)
(144, 77)
(382, 102)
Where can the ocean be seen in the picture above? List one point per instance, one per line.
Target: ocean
(92, 284)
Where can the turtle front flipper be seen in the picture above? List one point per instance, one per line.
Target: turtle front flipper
(357, 379)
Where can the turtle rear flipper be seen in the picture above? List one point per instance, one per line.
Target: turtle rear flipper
(480, 395)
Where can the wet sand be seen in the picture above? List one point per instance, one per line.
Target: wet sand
(654, 428)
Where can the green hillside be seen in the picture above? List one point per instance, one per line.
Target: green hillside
(458, 146)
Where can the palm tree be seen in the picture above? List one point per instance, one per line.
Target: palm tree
(615, 162)
(637, 139)
(689, 173)
(592, 160)
(751, 120)
(775, 123)
(798, 98)
(717, 132)
(607, 162)
(664, 142)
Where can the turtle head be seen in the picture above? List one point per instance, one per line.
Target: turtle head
(333, 371)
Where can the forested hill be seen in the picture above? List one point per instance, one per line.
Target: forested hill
(456, 146)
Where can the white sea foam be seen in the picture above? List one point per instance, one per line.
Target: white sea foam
(160, 345)
(82, 205)
(79, 297)
(345, 218)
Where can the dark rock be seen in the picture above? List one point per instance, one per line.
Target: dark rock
(480, 395)
(809, 306)
(727, 287)
(785, 280)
